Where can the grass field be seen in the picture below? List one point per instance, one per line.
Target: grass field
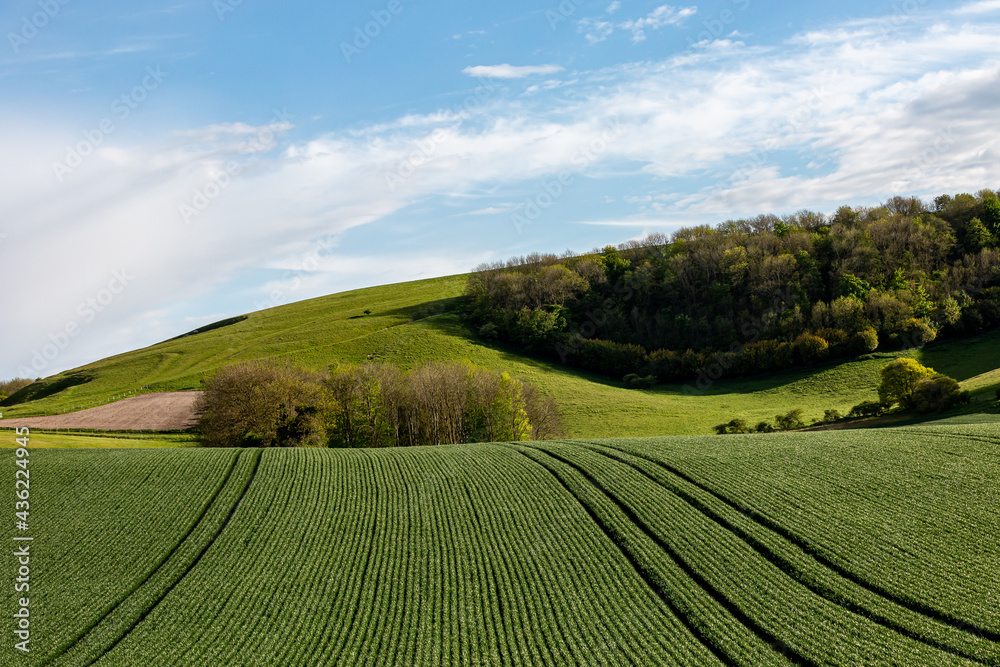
(869, 547)
(102, 440)
(416, 322)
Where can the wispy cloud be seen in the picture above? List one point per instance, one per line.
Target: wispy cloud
(598, 29)
(506, 71)
(982, 7)
(713, 136)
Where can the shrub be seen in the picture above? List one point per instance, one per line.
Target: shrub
(636, 381)
(831, 416)
(998, 395)
(867, 409)
(899, 379)
(863, 342)
(262, 404)
(791, 420)
(488, 331)
(810, 348)
(733, 426)
(764, 427)
(938, 393)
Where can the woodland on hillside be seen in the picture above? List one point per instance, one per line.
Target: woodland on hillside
(754, 295)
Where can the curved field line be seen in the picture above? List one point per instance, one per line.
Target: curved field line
(83, 633)
(765, 635)
(912, 605)
(637, 566)
(194, 562)
(790, 569)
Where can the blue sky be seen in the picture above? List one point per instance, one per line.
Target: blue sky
(170, 164)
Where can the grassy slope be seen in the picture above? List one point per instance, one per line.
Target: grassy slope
(322, 331)
(504, 554)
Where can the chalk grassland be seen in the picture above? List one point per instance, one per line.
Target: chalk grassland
(834, 548)
(100, 440)
(412, 323)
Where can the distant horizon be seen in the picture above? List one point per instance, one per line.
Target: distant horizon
(169, 167)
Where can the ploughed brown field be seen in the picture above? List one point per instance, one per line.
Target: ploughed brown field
(163, 411)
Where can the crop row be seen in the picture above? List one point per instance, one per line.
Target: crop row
(103, 521)
(790, 557)
(463, 556)
(909, 516)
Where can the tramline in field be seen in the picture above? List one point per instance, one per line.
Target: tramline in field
(839, 548)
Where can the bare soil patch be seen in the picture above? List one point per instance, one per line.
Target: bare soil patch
(163, 411)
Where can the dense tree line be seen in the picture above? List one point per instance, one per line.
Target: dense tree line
(755, 295)
(264, 404)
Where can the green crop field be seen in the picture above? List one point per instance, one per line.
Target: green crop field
(416, 322)
(865, 547)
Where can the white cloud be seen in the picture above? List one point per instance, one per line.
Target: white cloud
(910, 112)
(506, 71)
(982, 7)
(598, 29)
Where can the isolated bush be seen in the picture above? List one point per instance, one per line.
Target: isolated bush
(864, 341)
(764, 427)
(488, 331)
(733, 426)
(810, 348)
(899, 379)
(636, 381)
(867, 409)
(791, 420)
(938, 393)
(830, 416)
(262, 404)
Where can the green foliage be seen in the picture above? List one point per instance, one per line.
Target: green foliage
(991, 216)
(605, 552)
(899, 380)
(734, 426)
(262, 404)
(977, 236)
(830, 416)
(371, 405)
(938, 393)
(868, 409)
(764, 427)
(636, 381)
(791, 420)
(864, 341)
(853, 287)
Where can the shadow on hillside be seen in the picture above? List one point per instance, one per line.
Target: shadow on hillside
(48, 387)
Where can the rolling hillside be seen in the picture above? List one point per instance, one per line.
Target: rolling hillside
(870, 547)
(420, 321)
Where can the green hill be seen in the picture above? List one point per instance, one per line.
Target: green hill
(414, 322)
(867, 547)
